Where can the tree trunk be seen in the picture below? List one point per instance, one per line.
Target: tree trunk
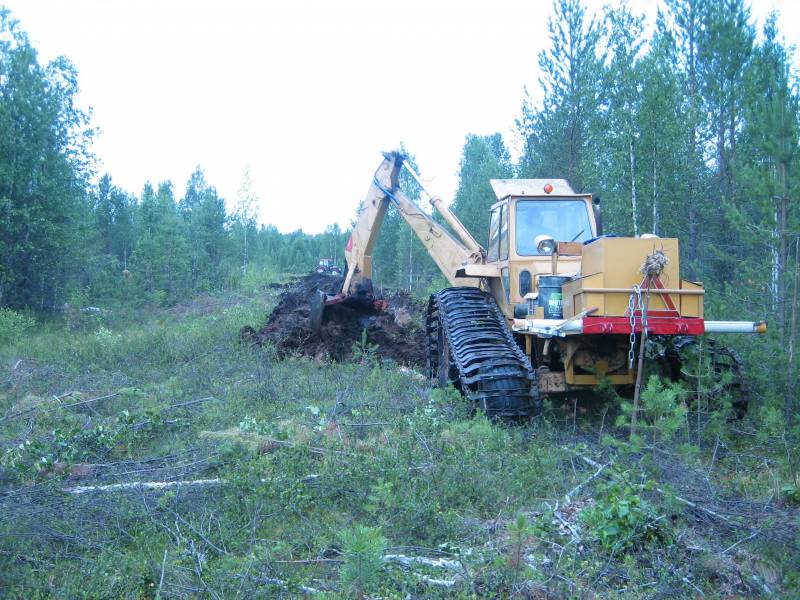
(633, 188)
(655, 188)
(694, 229)
(791, 382)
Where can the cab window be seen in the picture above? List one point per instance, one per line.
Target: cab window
(565, 220)
(504, 233)
(494, 236)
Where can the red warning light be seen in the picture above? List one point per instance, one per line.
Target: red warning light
(548, 188)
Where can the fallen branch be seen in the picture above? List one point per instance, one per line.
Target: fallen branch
(189, 403)
(161, 581)
(732, 546)
(445, 583)
(575, 535)
(264, 443)
(141, 485)
(401, 559)
(284, 585)
(577, 488)
(409, 561)
(160, 485)
(42, 406)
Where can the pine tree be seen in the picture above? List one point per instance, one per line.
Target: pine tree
(621, 134)
(483, 158)
(557, 135)
(160, 262)
(204, 215)
(683, 20)
(661, 136)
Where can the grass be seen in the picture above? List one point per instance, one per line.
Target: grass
(333, 480)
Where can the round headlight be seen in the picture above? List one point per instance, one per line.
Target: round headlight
(545, 244)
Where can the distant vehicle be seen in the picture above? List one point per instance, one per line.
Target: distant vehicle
(328, 266)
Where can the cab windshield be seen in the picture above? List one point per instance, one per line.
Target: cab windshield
(563, 220)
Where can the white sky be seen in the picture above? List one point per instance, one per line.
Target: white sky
(306, 92)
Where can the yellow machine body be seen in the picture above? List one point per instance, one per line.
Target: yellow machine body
(540, 228)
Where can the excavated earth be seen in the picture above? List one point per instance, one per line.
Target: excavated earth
(397, 333)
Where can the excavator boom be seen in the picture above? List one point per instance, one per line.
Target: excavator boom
(449, 254)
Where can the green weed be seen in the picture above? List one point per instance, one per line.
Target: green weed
(620, 518)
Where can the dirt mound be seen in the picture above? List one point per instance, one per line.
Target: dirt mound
(398, 333)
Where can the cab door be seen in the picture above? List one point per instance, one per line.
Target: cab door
(497, 252)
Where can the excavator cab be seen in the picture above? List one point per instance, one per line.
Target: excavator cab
(532, 221)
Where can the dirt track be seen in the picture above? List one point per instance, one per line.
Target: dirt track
(398, 333)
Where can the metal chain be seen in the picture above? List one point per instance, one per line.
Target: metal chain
(632, 314)
(635, 298)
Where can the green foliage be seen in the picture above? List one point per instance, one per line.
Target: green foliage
(691, 133)
(620, 518)
(43, 170)
(362, 549)
(483, 158)
(662, 412)
(520, 533)
(791, 493)
(558, 135)
(13, 325)
(364, 351)
(307, 451)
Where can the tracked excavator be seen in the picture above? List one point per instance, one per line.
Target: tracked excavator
(549, 307)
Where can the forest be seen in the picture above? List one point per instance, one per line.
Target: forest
(688, 127)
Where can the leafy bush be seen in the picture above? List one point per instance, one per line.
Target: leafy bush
(791, 493)
(621, 518)
(364, 351)
(13, 325)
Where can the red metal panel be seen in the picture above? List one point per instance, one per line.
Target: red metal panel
(655, 325)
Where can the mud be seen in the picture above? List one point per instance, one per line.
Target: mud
(396, 334)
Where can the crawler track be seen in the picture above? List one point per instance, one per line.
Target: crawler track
(469, 344)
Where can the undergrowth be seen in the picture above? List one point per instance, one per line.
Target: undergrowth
(354, 479)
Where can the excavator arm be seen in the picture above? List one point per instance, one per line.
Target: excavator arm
(449, 254)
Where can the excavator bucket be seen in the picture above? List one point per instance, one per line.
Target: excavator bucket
(317, 312)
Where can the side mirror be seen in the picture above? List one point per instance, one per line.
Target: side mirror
(597, 216)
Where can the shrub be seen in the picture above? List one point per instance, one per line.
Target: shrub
(621, 518)
(13, 325)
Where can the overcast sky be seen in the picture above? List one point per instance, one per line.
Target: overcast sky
(305, 92)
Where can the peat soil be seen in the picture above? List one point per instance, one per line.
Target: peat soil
(396, 334)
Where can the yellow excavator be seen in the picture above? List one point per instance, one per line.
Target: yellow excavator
(549, 307)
